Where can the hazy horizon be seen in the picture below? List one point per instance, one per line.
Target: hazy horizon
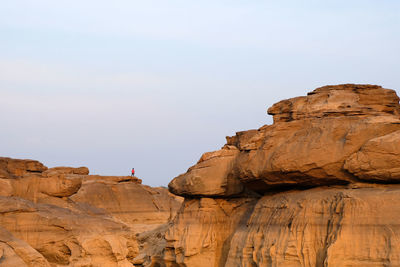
(153, 85)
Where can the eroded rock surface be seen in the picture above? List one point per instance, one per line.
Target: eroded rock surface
(319, 187)
(65, 217)
(338, 100)
(211, 176)
(11, 168)
(201, 234)
(309, 143)
(321, 227)
(139, 206)
(378, 159)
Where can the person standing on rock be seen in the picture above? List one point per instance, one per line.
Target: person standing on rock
(133, 172)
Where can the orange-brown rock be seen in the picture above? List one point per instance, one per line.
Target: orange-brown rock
(321, 227)
(141, 207)
(15, 252)
(326, 173)
(66, 170)
(307, 146)
(64, 217)
(378, 159)
(10, 168)
(338, 100)
(308, 153)
(211, 176)
(324, 226)
(201, 233)
(319, 187)
(66, 237)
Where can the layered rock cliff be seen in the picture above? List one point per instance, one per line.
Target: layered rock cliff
(66, 217)
(318, 187)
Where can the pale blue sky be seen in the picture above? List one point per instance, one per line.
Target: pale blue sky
(153, 84)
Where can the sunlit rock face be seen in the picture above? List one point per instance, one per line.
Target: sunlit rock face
(65, 217)
(211, 176)
(321, 227)
(318, 187)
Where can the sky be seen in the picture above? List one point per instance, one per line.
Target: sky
(152, 85)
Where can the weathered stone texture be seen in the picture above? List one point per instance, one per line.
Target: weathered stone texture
(323, 180)
(64, 217)
(321, 227)
(319, 187)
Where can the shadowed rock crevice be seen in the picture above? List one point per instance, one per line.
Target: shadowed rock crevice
(333, 227)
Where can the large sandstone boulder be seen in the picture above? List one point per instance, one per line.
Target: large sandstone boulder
(307, 146)
(11, 168)
(34, 187)
(338, 100)
(308, 153)
(211, 176)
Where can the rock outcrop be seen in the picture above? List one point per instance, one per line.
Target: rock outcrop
(378, 159)
(338, 101)
(319, 187)
(210, 176)
(11, 168)
(65, 217)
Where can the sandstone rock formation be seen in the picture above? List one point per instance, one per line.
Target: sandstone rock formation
(210, 176)
(64, 217)
(321, 227)
(11, 168)
(201, 234)
(316, 188)
(378, 159)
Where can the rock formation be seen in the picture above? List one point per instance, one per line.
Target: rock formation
(66, 217)
(319, 187)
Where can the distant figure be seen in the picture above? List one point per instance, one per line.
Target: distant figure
(133, 172)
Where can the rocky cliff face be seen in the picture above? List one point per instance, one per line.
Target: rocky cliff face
(66, 217)
(319, 187)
